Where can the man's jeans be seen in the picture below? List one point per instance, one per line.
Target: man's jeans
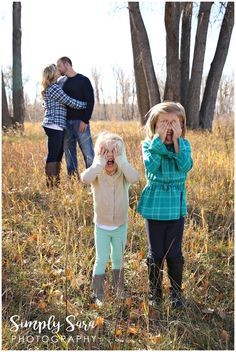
(73, 135)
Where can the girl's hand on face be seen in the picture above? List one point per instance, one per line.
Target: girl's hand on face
(103, 154)
(102, 151)
(177, 130)
(161, 130)
(117, 150)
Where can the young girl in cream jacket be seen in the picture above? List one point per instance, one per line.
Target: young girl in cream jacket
(110, 177)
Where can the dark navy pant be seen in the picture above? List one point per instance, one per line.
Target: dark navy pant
(165, 238)
(55, 144)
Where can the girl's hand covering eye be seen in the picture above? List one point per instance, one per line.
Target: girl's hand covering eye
(102, 155)
(161, 129)
(117, 150)
(102, 151)
(177, 131)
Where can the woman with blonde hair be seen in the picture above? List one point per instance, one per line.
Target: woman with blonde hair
(54, 122)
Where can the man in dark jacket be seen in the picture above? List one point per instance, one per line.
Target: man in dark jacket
(77, 129)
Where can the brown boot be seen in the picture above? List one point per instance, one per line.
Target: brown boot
(98, 289)
(52, 170)
(118, 282)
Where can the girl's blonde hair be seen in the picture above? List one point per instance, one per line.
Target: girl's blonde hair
(108, 140)
(48, 77)
(163, 108)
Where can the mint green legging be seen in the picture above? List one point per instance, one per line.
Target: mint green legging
(109, 242)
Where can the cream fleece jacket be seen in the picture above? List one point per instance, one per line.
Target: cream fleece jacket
(110, 193)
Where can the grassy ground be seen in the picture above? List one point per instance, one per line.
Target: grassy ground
(48, 253)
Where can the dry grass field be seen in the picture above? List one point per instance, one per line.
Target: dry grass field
(48, 253)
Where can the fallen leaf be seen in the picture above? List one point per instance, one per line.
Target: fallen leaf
(46, 270)
(132, 330)
(128, 302)
(11, 171)
(68, 273)
(118, 332)
(219, 296)
(32, 238)
(156, 338)
(93, 306)
(17, 258)
(58, 295)
(141, 255)
(225, 335)
(42, 305)
(45, 285)
(99, 321)
(115, 347)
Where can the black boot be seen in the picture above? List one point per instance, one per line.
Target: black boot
(175, 273)
(155, 274)
(52, 170)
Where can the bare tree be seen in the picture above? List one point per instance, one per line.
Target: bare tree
(133, 94)
(141, 85)
(178, 86)
(172, 18)
(185, 51)
(7, 74)
(105, 114)
(146, 82)
(217, 65)
(124, 92)
(193, 101)
(116, 85)
(225, 96)
(6, 118)
(96, 78)
(18, 95)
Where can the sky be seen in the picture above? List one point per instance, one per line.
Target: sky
(94, 34)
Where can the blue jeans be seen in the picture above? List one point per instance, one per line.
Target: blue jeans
(73, 135)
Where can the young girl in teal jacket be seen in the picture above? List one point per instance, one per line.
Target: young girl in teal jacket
(167, 160)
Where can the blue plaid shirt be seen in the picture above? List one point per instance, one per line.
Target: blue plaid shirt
(164, 196)
(55, 101)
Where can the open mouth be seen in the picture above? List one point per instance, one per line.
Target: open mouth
(169, 136)
(110, 162)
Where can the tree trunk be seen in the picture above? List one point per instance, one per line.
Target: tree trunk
(96, 78)
(141, 86)
(185, 51)
(146, 83)
(6, 118)
(18, 95)
(172, 18)
(217, 65)
(193, 106)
